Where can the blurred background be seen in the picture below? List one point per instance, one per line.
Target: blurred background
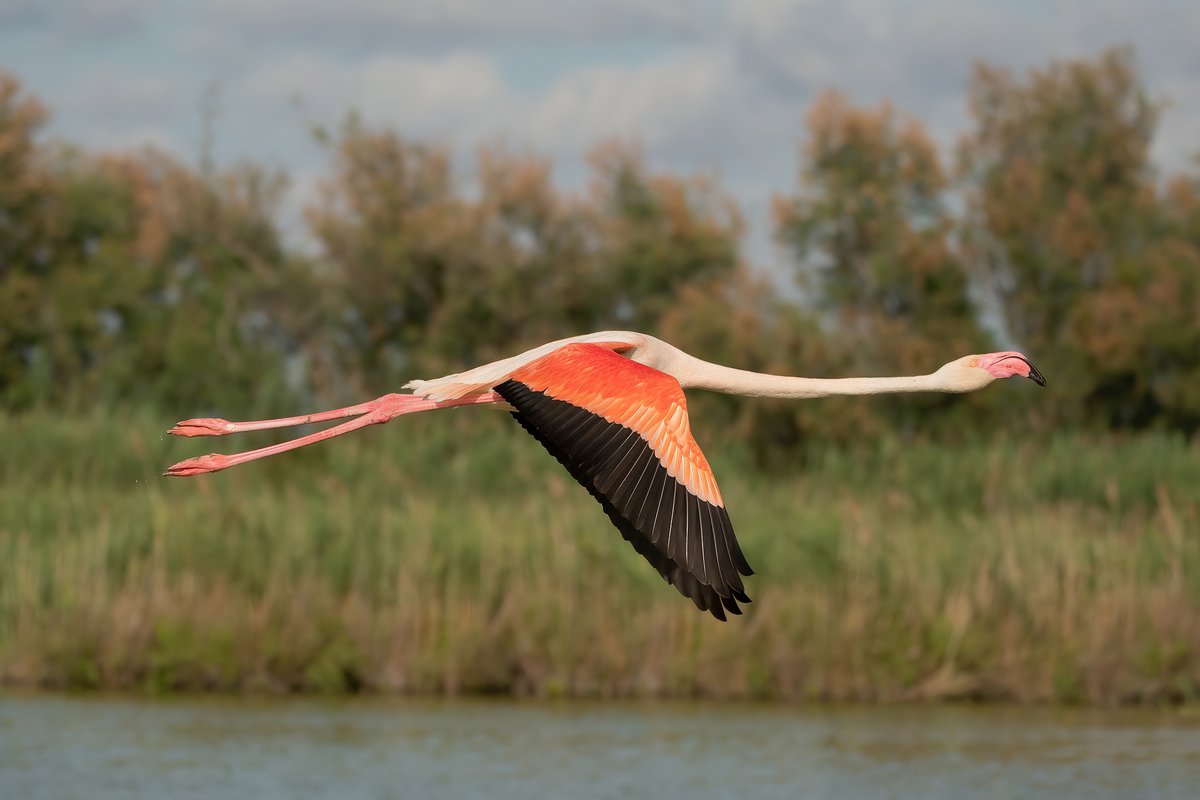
(252, 209)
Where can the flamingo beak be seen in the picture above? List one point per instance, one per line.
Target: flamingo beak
(1034, 374)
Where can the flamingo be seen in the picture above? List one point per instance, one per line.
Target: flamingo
(611, 408)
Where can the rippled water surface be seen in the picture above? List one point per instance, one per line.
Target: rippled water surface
(59, 747)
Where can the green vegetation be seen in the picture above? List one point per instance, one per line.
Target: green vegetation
(1028, 544)
(448, 553)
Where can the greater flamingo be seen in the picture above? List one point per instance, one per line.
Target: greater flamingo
(610, 407)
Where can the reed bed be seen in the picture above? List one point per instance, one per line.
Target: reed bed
(451, 556)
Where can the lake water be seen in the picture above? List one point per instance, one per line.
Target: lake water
(64, 747)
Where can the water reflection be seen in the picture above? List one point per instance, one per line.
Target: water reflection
(106, 747)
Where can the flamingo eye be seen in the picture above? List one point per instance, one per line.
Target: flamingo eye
(974, 362)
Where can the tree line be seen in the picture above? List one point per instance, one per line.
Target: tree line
(136, 279)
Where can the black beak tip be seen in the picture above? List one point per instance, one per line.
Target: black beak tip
(1035, 375)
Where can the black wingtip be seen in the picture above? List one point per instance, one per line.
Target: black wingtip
(577, 439)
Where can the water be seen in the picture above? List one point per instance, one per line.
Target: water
(59, 747)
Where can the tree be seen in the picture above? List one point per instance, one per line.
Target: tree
(869, 231)
(132, 277)
(25, 189)
(1057, 172)
(656, 235)
(525, 273)
(388, 221)
(437, 281)
(1067, 230)
(216, 299)
(434, 281)
(1137, 334)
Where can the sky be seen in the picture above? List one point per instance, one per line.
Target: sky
(709, 86)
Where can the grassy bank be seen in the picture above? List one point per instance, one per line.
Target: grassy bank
(449, 554)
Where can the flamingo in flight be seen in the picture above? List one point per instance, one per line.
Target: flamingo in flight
(611, 408)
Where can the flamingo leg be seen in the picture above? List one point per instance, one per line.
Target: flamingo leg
(375, 412)
(211, 426)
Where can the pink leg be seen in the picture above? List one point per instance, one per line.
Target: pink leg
(375, 412)
(210, 426)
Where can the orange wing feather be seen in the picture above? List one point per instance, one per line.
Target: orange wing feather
(650, 402)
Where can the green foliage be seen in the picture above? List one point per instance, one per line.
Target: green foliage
(869, 218)
(869, 228)
(657, 236)
(1094, 267)
(133, 278)
(1057, 571)
(1058, 166)
(145, 282)
(432, 280)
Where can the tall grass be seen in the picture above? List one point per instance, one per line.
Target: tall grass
(450, 554)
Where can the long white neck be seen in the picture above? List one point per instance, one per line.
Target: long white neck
(692, 372)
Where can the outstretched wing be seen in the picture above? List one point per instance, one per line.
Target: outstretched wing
(621, 429)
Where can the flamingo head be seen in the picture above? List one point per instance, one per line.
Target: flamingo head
(969, 373)
(1008, 364)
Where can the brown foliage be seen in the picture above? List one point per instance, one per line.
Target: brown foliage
(869, 229)
(1066, 228)
(436, 280)
(25, 181)
(136, 276)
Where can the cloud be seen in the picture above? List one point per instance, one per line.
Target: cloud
(919, 54)
(22, 14)
(112, 108)
(661, 103)
(71, 18)
(690, 109)
(112, 92)
(517, 18)
(445, 98)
